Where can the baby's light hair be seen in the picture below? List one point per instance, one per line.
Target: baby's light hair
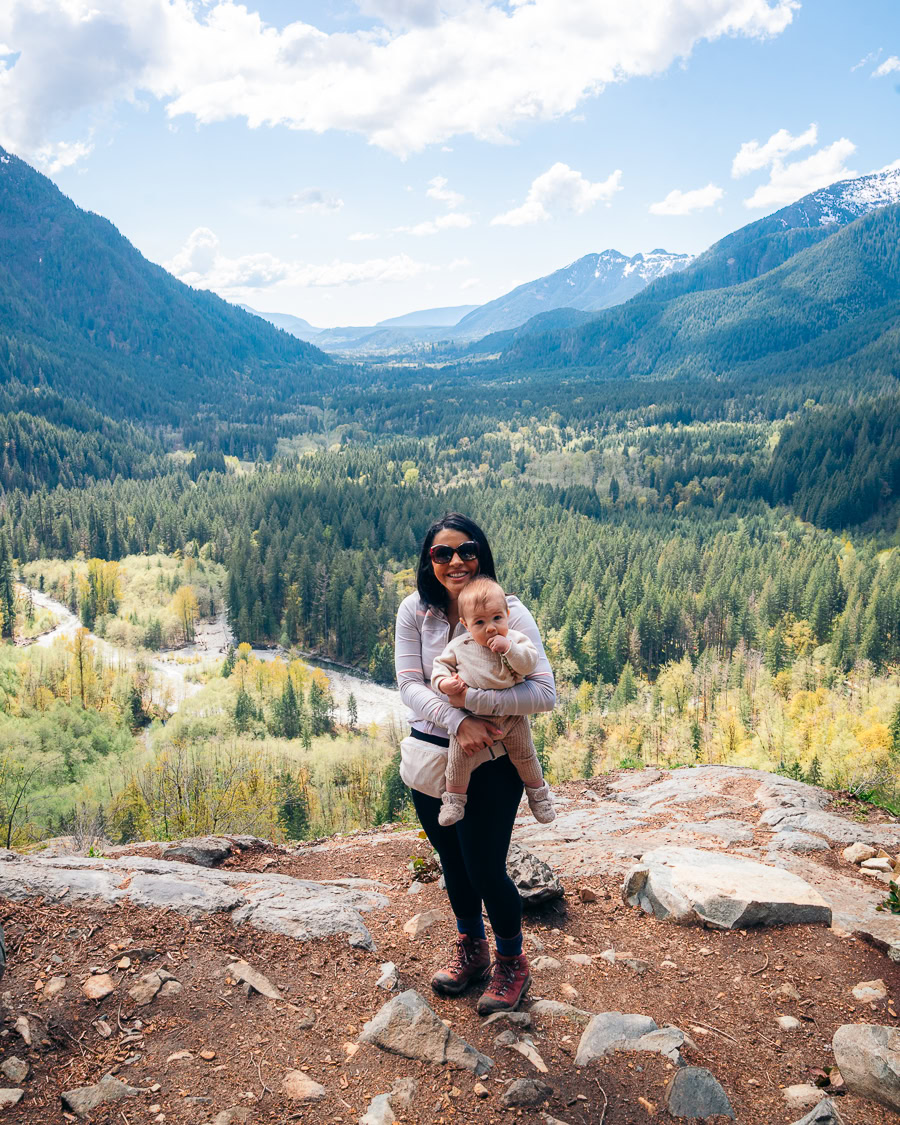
(476, 594)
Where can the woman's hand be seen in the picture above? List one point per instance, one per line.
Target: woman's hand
(476, 734)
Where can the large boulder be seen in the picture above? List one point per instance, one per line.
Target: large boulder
(210, 851)
(407, 1026)
(695, 1093)
(721, 890)
(868, 1057)
(534, 879)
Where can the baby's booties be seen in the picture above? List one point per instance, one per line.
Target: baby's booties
(453, 808)
(540, 801)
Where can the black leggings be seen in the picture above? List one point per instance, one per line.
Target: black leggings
(473, 851)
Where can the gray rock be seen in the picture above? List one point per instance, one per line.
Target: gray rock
(856, 853)
(609, 1032)
(726, 891)
(241, 971)
(825, 1113)
(544, 963)
(798, 842)
(15, 1069)
(389, 978)
(554, 1008)
(298, 908)
(83, 1101)
(299, 1087)
(533, 877)
(665, 1041)
(526, 1091)
(868, 1057)
(725, 829)
(237, 1115)
(10, 1097)
(147, 986)
(694, 1093)
(407, 1026)
(210, 851)
(383, 1107)
(800, 1095)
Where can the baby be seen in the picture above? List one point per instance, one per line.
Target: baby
(494, 657)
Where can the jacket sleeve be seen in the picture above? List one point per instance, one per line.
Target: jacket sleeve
(521, 655)
(444, 667)
(536, 693)
(423, 702)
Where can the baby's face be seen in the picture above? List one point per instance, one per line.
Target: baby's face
(489, 620)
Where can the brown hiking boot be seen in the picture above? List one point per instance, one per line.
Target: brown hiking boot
(470, 963)
(508, 986)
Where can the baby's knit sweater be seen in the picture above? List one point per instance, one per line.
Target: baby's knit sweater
(479, 667)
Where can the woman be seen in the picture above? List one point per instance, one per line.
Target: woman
(473, 851)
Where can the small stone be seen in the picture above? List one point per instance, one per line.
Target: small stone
(407, 1026)
(170, 988)
(241, 971)
(124, 963)
(870, 990)
(868, 1057)
(103, 1029)
(86, 1099)
(145, 990)
(179, 1056)
(480, 1090)
(301, 1088)
(801, 1095)
(207, 1054)
(554, 1008)
(788, 991)
(518, 1019)
(15, 1069)
(878, 864)
(419, 923)
(668, 965)
(526, 1091)
(23, 1027)
(154, 1108)
(825, 1113)
(99, 986)
(306, 1019)
(694, 1092)
(9, 1097)
(788, 1023)
(543, 964)
(609, 956)
(53, 987)
(237, 1115)
(587, 894)
(389, 978)
(857, 853)
(580, 959)
(569, 992)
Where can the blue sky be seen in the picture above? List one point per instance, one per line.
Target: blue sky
(352, 161)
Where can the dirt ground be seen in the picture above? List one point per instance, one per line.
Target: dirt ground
(718, 987)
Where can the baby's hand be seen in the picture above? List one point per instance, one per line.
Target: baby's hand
(452, 685)
(499, 644)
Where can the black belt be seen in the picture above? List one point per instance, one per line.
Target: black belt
(437, 739)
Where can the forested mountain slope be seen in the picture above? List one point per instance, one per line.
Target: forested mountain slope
(830, 303)
(84, 315)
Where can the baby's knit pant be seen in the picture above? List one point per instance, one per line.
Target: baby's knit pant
(519, 746)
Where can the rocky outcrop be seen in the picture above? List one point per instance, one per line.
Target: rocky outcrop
(535, 879)
(298, 908)
(721, 890)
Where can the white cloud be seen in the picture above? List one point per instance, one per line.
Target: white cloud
(752, 155)
(788, 182)
(560, 187)
(686, 202)
(470, 283)
(437, 189)
(453, 220)
(362, 236)
(476, 67)
(54, 157)
(887, 67)
(459, 263)
(201, 263)
(313, 199)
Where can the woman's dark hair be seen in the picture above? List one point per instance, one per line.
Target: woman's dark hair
(430, 590)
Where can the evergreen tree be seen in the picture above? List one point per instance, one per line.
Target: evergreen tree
(244, 711)
(895, 731)
(228, 663)
(352, 711)
(288, 711)
(293, 806)
(394, 794)
(814, 774)
(7, 591)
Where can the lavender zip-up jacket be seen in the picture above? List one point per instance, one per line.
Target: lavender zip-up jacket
(422, 634)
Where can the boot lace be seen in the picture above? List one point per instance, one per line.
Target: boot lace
(461, 957)
(504, 978)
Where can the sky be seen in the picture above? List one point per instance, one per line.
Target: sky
(351, 161)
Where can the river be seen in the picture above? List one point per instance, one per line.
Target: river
(171, 687)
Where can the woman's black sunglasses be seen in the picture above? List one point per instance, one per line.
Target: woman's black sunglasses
(442, 553)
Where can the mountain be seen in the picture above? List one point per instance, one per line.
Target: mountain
(295, 325)
(764, 244)
(833, 307)
(595, 281)
(88, 320)
(429, 318)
